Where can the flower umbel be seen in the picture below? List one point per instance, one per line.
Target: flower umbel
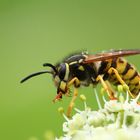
(118, 120)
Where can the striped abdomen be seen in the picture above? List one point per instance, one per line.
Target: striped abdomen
(127, 72)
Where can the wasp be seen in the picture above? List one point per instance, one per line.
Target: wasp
(107, 68)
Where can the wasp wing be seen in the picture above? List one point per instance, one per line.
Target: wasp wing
(110, 55)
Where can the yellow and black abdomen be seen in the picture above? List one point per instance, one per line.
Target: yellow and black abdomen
(128, 74)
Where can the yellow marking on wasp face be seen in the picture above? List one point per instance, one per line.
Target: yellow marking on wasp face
(135, 80)
(81, 68)
(56, 80)
(62, 85)
(129, 74)
(121, 65)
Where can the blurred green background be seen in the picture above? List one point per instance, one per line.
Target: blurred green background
(34, 32)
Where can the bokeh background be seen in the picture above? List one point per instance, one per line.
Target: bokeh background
(34, 32)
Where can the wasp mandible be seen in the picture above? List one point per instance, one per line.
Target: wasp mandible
(86, 69)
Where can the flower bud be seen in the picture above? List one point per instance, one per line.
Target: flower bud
(61, 110)
(83, 97)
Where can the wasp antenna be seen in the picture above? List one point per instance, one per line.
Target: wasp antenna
(50, 65)
(34, 74)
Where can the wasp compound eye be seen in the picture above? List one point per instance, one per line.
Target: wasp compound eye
(62, 71)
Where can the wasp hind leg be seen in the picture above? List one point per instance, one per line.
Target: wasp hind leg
(76, 83)
(106, 87)
(113, 70)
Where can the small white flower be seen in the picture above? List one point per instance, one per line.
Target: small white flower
(113, 106)
(95, 118)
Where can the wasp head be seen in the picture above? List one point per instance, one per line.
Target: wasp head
(61, 78)
(60, 74)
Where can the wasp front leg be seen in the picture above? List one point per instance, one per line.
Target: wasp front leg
(76, 83)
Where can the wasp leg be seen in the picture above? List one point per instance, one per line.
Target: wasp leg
(113, 70)
(75, 81)
(105, 86)
(110, 88)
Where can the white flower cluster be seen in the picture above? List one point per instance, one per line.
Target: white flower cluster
(118, 120)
